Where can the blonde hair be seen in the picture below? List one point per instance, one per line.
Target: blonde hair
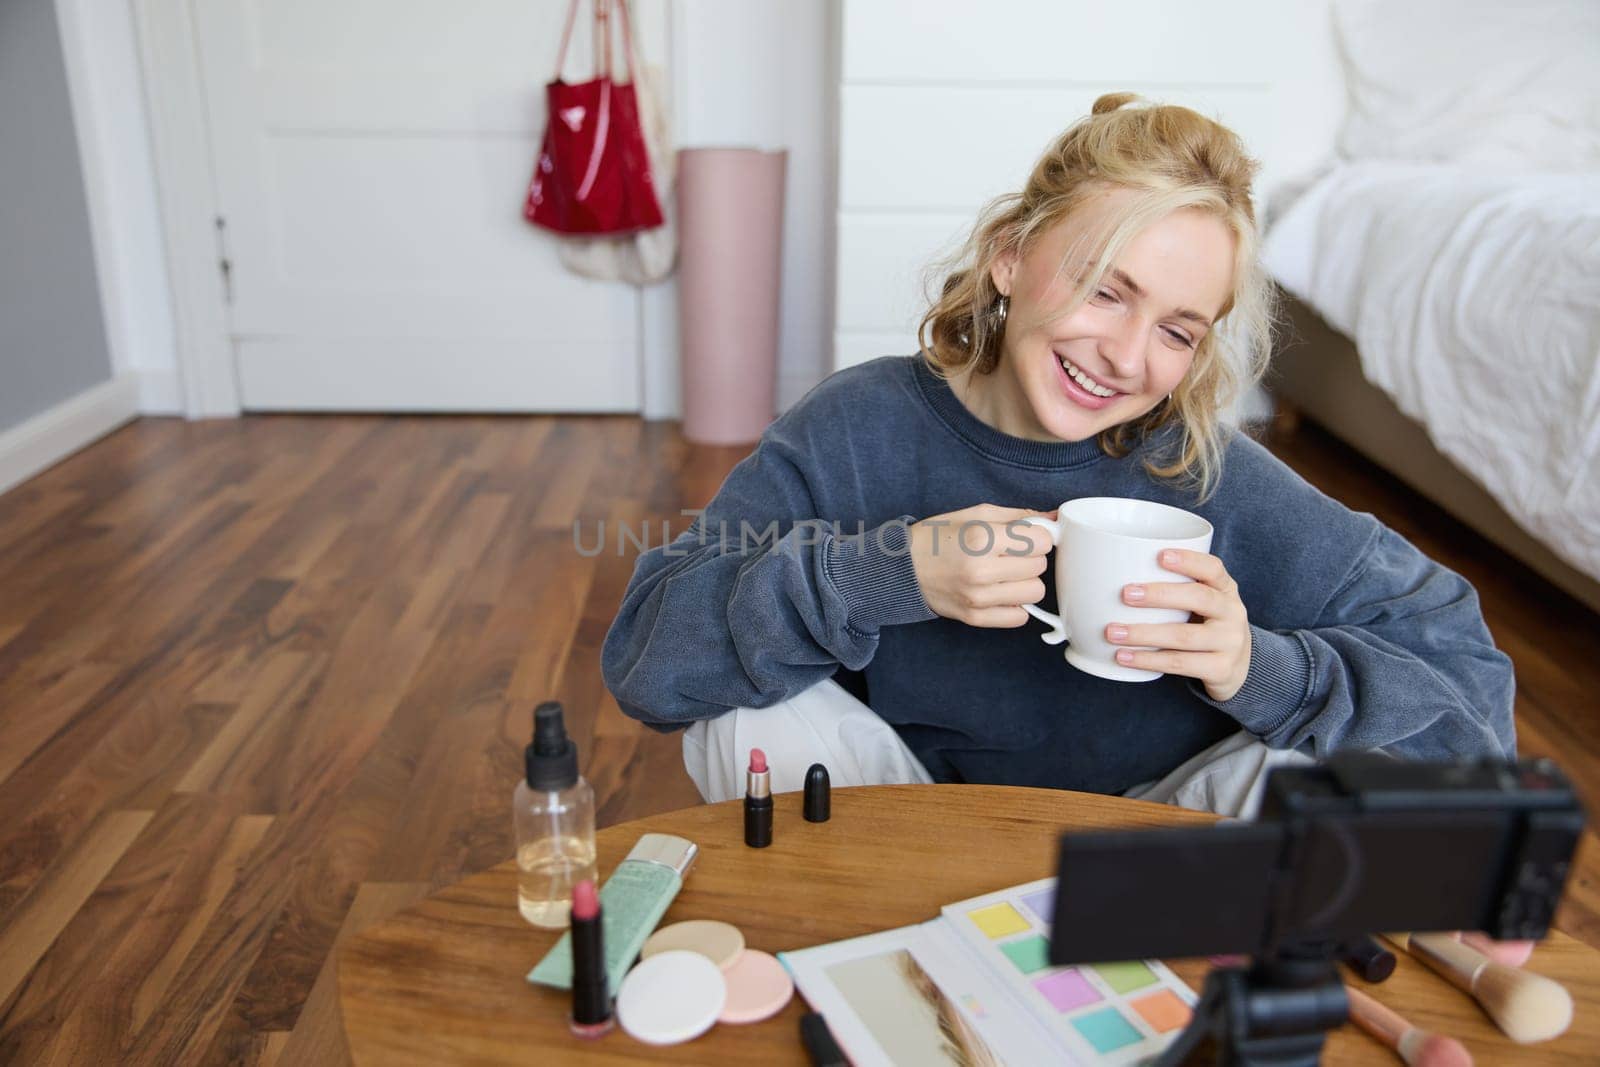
(1172, 159)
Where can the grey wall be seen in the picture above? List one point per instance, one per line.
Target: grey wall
(52, 334)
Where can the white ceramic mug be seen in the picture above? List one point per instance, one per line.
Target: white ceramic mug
(1105, 543)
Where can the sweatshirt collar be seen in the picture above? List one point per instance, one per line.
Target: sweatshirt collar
(989, 441)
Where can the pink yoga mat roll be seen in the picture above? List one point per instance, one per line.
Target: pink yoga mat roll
(730, 233)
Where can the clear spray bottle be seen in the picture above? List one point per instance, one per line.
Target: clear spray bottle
(554, 813)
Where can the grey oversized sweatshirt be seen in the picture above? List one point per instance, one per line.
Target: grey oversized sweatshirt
(1358, 640)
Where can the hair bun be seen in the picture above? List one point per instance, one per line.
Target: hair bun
(1112, 101)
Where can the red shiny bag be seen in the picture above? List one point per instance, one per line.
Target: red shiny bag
(593, 174)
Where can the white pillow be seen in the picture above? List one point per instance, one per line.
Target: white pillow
(1508, 84)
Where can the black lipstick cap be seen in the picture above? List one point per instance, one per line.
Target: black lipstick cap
(1370, 960)
(818, 803)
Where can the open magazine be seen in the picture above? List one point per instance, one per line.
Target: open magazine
(973, 987)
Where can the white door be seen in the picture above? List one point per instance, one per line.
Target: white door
(370, 159)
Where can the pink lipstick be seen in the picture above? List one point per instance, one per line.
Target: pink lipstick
(591, 999)
(758, 802)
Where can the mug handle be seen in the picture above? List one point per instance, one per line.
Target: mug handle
(1058, 626)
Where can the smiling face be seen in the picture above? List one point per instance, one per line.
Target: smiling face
(1119, 353)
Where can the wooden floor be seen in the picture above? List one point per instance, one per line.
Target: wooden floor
(265, 681)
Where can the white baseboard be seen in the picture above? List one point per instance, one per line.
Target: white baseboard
(53, 435)
(160, 392)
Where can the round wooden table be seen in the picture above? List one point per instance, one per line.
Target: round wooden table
(443, 981)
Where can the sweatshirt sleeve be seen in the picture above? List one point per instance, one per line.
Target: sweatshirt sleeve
(1399, 659)
(758, 600)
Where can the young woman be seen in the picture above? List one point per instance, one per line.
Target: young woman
(1088, 342)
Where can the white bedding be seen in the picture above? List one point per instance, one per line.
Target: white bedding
(1474, 300)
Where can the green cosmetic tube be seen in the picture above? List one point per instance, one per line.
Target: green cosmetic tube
(632, 902)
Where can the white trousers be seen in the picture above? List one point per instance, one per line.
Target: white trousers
(826, 725)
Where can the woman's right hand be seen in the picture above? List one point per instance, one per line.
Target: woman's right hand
(980, 564)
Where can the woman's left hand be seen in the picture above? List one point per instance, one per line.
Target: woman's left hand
(1214, 647)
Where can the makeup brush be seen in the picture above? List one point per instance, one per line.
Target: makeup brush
(1510, 953)
(1413, 1044)
(1527, 1006)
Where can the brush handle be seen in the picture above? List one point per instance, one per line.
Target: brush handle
(1510, 953)
(1382, 1023)
(1459, 964)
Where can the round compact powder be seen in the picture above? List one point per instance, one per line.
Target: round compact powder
(716, 941)
(671, 997)
(758, 987)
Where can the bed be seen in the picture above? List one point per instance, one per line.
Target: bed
(1442, 275)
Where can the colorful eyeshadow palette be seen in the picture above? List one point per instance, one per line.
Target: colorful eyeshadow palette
(1124, 1012)
(976, 986)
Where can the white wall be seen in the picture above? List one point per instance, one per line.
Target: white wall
(926, 110)
(52, 344)
(941, 110)
(60, 384)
